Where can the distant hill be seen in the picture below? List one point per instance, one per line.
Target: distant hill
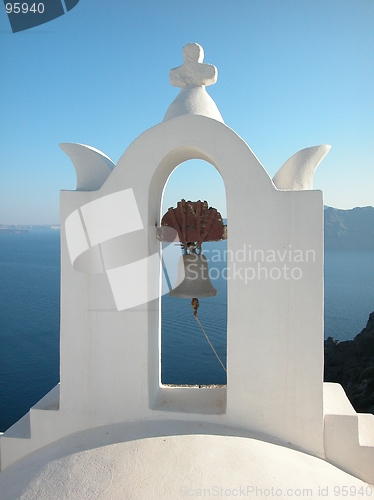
(23, 228)
(349, 229)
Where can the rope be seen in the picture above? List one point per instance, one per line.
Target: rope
(209, 342)
(166, 275)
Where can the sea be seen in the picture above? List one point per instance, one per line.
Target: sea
(30, 315)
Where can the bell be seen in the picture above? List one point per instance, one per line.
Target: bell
(196, 282)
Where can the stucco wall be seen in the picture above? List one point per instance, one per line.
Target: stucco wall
(110, 359)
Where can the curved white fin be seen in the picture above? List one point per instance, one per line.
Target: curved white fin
(297, 172)
(91, 165)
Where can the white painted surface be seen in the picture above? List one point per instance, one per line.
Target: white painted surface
(111, 216)
(348, 436)
(76, 238)
(192, 77)
(170, 467)
(91, 165)
(110, 360)
(298, 171)
(127, 282)
(193, 71)
(193, 101)
(335, 401)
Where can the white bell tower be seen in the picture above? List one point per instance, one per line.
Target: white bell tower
(110, 295)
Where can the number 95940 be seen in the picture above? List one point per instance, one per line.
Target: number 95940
(24, 8)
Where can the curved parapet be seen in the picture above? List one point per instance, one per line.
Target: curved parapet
(91, 165)
(297, 172)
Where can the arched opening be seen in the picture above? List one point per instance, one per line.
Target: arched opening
(187, 358)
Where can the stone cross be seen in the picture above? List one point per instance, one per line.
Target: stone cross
(193, 73)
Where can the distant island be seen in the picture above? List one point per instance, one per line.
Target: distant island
(13, 228)
(349, 229)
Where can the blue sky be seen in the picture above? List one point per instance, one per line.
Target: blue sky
(291, 74)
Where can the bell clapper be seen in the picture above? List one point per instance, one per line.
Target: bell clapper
(195, 306)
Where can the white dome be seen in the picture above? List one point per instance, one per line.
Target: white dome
(92, 464)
